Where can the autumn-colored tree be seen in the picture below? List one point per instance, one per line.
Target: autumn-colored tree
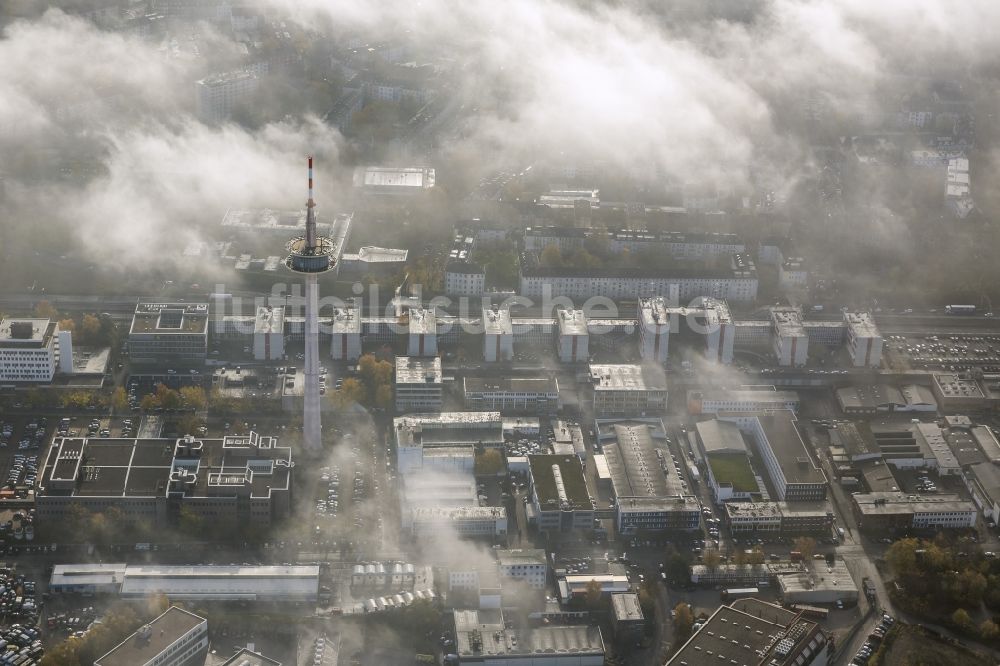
(149, 402)
(90, 327)
(961, 619)
(383, 396)
(756, 557)
(711, 559)
(194, 397)
(119, 400)
(989, 630)
(551, 256)
(67, 325)
(350, 392)
(167, 397)
(902, 556)
(593, 593)
(683, 622)
(806, 546)
(489, 462)
(45, 310)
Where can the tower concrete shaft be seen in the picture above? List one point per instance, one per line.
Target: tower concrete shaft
(312, 430)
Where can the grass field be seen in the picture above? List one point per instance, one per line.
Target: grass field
(735, 470)
(915, 646)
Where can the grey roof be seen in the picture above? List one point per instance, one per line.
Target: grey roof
(720, 437)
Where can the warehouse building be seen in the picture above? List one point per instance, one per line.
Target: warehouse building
(482, 637)
(627, 620)
(560, 501)
(727, 463)
(713, 401)
(824, 583)
(466, 521)
(793, 473)
(649, 494)
(750, 631)
(444, 440)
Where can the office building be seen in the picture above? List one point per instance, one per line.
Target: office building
(175, 638)
(719, 330)
(677, 244)
(528, 565)
(825, 583)
(230, 481)
(512, 395)
(628, 390)
(165, 333)
(419, 383)
(713, 401)
(29, 350)
(864, 341)
(218, 95)
(394, 181)
(887, 512)
(466, 521)
(750, 631)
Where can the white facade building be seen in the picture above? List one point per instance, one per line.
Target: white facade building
(422, 339)
(269, 334)
(175, 638)
(573, 336)
(498, 335)
(28, 350)
(528, 565)
(654, 329)
(419, 383)
(345, 333)
(864, 341)
(464, 279)
(789, 338)
(219, 94)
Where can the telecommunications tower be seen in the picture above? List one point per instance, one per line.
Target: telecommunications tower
(311, 255)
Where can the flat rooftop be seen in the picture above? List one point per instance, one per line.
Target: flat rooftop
(346, 320)
(423, 321)
(954, 385)
(626, 608)
(861, 324)
(570, 488)
(407, 178)
(746, 396)
(511, 385)
(417, 370)
(245, 657)
(571, 322)
(269, 320)
(483, 634)
(636, 464)
(142, 648)
(521, 556)
(892, 503)
(290, 222)
(170, 318)
(627, 377)
(870, 396)
(720, 437)
(785, 441)
(28, 333)
(788, 322)
(497, 321)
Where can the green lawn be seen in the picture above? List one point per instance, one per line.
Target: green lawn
(733, 469)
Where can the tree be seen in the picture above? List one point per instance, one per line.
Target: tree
(989, 630)
(149, 402)
(489, 462)
(756, 557)
(594, 593)
(902, 556)
(383, 396)
(194, 397)
(351, 391)
(45, 310)
(167, 397)
(739, 557)
(806, 546)
(67, 325)
(683, 622)
(960, 618)
(90, 327)
(119, 400)
(551, 256)
(711, 559)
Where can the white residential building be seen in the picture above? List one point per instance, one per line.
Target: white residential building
(789, 338)
(654, 329)
(498, 335)
(573, 336)
(528, 564)
(219, 94)
(422, 339)
(345, 333)
(864, 341)
(269, 333)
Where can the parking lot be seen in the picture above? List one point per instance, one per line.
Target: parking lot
(944, 352)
